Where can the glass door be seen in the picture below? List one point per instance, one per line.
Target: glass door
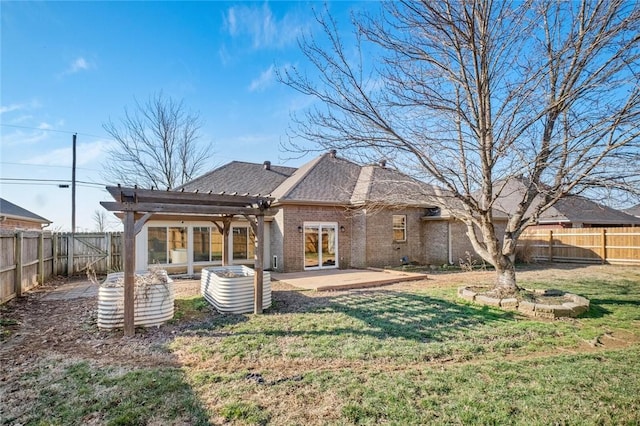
(320, 245)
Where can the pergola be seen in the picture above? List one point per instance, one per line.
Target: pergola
(137, 206)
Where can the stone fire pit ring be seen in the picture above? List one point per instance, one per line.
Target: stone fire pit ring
(573, 307)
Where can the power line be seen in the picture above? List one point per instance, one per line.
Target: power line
(94, 186)
(50, 180)
(44, 165)
(54, 130)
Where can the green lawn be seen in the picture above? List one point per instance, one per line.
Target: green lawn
(397, 355)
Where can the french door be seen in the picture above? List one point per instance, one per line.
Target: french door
(320, 245)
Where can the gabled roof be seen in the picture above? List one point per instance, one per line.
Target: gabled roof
(570, 209)
(14, 211)
(241, 177)
(389, 186)
(327, 179)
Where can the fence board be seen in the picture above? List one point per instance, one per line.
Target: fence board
(7, 266)
(584, 245)
(28, 258)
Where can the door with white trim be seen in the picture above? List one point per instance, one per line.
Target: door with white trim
(320, 245)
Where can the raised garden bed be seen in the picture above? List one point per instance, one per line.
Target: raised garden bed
(230, 289)
(154, 300)
(548, 304)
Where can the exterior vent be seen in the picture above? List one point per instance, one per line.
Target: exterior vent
(267, 165)
(383, 163)
(432, 211)
(333, 153)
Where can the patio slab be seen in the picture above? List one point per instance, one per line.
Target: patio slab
(345, 279)
(74, 290)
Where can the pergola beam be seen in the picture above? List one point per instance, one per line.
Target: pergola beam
(166, 207)
(151, 196)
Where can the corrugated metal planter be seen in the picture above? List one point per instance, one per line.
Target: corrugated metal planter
(230, 288)
(153, 303)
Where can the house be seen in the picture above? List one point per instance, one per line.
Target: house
(334, 213)
(331, 213)
(573, 211)
(14, 217)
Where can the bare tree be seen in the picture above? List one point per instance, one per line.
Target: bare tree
(101, 220)
(156, 145)
(472, 94)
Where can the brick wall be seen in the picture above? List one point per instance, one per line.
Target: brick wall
(460, 242)
(381, 249)
(11, 224)
(277, 241)
(293, 240)
(359, 239)
(436, 241)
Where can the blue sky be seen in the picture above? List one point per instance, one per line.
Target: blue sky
(70, 66)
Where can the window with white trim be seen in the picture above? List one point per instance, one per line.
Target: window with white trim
(399, 227)
(243, 243)
(167, 244)
(207, 244)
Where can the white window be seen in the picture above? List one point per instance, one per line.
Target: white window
(167, 244)
(243, 243)
(399, 227)
(207, 244)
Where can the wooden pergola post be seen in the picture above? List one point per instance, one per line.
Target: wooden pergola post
(259, 266)
(129, 273)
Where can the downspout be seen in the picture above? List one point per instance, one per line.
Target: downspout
(449, 243)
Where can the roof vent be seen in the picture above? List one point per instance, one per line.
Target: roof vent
(333, 153)
(267, 165)
(383, 163)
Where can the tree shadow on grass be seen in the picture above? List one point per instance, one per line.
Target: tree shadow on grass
(414, 316)
(385, 314)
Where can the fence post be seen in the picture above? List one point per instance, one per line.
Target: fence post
(54, 244)
(70, 249)
(18, 275)
(550, 245)
(604, 246)
(108, 236)
(41, 257)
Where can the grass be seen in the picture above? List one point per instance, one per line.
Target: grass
(398, 355)
(77, 393)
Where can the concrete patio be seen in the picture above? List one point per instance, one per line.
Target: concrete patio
(345, 279)
(323, 280)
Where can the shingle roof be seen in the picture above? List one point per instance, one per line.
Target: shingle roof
(325, 179)
(14, 211)
(633, 211)
(241, 177)
(573, 208)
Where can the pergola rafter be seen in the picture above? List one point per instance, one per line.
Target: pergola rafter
(139, 205)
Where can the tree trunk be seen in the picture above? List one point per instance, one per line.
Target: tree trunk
(506, 274)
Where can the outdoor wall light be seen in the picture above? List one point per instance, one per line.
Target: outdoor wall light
(300, 229)
(341, 228)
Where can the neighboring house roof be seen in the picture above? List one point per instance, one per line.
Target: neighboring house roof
(13, 211)
(570, 209)
(327, 179)
(633, 211)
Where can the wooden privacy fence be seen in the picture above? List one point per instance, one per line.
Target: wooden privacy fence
(29, 258)
(619, 246)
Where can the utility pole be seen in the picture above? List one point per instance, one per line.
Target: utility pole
(73, 187)
(71, 241)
